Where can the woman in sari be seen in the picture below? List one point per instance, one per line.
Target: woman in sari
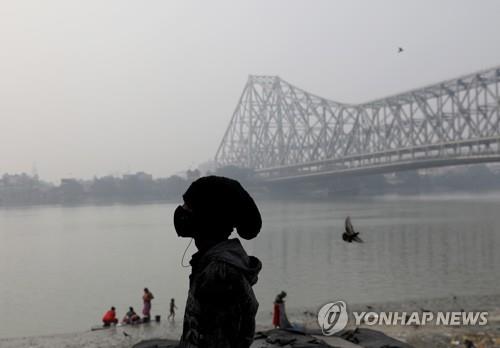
(146, 298)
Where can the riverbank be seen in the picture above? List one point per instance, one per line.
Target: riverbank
(418, 336)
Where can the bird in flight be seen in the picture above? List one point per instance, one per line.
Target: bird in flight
(350, 235)
(400, 49)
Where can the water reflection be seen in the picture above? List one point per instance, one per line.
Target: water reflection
(411, 250)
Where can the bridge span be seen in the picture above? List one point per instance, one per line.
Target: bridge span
(287, 134)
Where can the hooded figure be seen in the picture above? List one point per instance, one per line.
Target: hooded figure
(221, 305)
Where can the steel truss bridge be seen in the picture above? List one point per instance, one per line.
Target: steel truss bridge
(285, 133)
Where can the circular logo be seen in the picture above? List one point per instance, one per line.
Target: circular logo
(332, 317)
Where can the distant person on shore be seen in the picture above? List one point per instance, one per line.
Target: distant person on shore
(280, 319)
(173, 307)
(147, 297)
(131, 317)
(221, 305)
(276, 312)
(110, 317)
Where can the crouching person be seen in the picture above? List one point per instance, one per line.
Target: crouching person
(109, 317)
(221, 305)
(131, 317)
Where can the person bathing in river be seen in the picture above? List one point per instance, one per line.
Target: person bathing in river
(147, 297)
(280, 319)
(131, 317)
(110, 317)
(221, 305)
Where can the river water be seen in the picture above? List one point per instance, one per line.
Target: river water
(62, 267)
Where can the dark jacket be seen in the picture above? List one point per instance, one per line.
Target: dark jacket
(221, 305)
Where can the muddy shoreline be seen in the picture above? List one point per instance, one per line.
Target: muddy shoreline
(417, 336)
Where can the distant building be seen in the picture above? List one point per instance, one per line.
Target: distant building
(72, 190)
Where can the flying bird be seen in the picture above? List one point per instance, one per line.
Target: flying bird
(126, 334)
(349, 235)
(400, 49)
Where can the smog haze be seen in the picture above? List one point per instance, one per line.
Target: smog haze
(109, 87)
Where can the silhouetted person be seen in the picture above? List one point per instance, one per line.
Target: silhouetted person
(173, 307)
(221, 305)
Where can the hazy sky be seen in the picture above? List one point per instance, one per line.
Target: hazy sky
(106, 87)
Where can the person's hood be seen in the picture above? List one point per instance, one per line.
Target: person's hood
(231, 252)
